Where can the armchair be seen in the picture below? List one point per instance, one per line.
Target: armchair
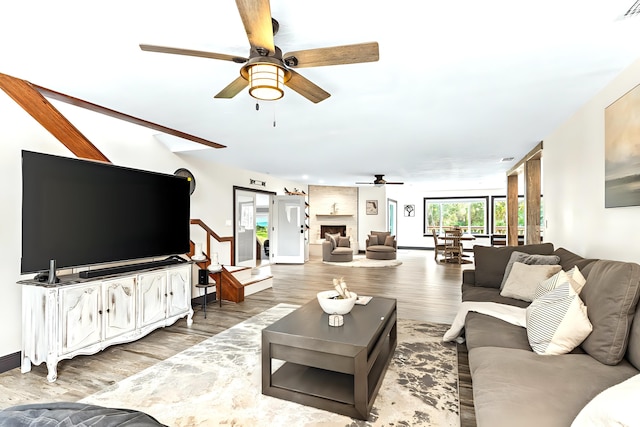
(337, 248)
(381, 245)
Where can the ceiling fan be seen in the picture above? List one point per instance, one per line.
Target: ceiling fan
(380, 181)
(267, 69)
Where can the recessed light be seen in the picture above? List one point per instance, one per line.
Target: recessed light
(506, 159)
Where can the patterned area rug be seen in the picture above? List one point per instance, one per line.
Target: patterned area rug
(362, 261)
(218, 382)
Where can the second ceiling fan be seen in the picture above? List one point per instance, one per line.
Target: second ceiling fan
(267, 69)
(379, 181)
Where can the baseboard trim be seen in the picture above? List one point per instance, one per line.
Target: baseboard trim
(9, 362)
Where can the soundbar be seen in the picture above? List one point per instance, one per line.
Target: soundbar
(89, 274)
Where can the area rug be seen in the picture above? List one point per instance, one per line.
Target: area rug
(362, 261)
(218, 382)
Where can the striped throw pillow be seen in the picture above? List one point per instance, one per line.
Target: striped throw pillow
(557, 321)
(573, 276)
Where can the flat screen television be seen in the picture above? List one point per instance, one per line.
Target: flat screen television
(80, 212)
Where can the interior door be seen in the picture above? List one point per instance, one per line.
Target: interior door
(392, 208)
(245, 229)
(287, 229)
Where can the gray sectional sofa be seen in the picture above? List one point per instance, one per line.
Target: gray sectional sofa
(513, 385)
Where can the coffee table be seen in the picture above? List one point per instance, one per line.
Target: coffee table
(339, 369)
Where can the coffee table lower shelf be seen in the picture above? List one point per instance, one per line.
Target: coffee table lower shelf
(329, 390)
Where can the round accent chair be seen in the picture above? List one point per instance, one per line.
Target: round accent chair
(337, 248)
(381, 245)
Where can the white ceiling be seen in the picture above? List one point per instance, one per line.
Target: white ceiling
(459, 85)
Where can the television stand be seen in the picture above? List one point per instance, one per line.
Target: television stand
(85, 316)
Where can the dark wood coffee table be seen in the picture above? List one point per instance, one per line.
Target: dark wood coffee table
(339, 369)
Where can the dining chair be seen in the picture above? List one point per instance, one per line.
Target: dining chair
(453, 245)
(438, 246)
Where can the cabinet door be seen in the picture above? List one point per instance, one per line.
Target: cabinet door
(153, 299)
(119, 306)
(179, 287)
(81, 318)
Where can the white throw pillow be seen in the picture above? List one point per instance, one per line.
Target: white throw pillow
(523, 280)
(615, 406)
(557, 322)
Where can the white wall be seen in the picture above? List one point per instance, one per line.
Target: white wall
(573, 164)
(124, 144)
(411, 229)
(368, 223)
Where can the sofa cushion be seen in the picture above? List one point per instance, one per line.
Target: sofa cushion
(616, 406)
(382, 235)
(524, 279)
(479, 293)
(483, 330)
(611, 295)
(344, 242)
(373, 240)
(381, 248)
(568, 260)
(530, 259)
(490, 262)
(557, 321)
(389, 240)
(516, 387)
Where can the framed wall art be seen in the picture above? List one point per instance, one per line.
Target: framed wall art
(622, 151)
(409, 210)
(372, 207)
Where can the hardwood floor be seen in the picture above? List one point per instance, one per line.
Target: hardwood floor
(425, 290)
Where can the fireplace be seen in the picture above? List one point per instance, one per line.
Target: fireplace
(333, 229)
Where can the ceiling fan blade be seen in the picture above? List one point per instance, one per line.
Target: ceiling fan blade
(256, 17)
(189, 52)
(364, 182)
(337, 55)
(394, 183)
(234, 88)
(307, 88)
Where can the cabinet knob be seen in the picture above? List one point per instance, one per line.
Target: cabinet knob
(100, 312)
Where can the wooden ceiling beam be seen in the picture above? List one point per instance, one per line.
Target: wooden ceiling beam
(122, 116)
(32, 101)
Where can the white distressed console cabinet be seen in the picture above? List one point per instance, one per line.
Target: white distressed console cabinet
(84, 316)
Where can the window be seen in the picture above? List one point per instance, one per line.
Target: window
(500, 215)
(469, 213)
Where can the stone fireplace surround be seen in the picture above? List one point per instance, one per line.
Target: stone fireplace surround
(332, 206)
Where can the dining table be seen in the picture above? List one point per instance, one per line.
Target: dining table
(455, 240)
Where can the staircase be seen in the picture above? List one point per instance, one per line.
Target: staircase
(233, 283)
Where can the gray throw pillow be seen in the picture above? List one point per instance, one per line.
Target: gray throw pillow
(373, 240)
(389, 240)
(528, 259)
(343, 242)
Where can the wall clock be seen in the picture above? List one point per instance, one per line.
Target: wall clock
(187, 174)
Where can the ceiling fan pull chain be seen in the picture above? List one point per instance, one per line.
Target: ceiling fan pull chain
(274, 116)
(257, 106)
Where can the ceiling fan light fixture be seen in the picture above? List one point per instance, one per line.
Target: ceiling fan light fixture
(266, 81)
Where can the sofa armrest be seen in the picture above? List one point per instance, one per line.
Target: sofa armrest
(469, 277)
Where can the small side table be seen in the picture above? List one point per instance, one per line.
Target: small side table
(205, 286)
